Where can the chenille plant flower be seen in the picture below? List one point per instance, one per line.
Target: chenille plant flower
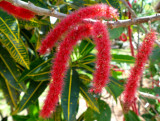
(137, 70)
(99, 10)
(101, 36)
(84, 29)
(101, 75)
(60, 66)
(16, 11)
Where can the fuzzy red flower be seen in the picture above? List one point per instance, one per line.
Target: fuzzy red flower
(16, 11)
(123, 37)
(60, 66)
(101, 75)
(137, 70)
(99, 10)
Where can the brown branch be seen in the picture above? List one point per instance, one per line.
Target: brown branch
(111, 24)
(135, 16)
(134, 21)
(143, 94)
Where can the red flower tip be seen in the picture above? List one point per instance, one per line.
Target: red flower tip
(16, 11)
(123, 37)
(137, 70)
(101, 75)
(99, 10)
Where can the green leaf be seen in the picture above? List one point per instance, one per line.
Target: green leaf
(150, 91)
(86, 67)
(33, 23)
(32, 119)
(131, 116)
(30, 23)
(122, 58)
(37, 68)
(157, 90)
(34, 110)
(40, 3)
(91, 101)
(88, 58)
(78, 2)
(115, 88)
(11, 95)
(31, 95)
(116, 32)
(148, 117)
(85, 79)
(89, 115)
(42, 76)
(86, 47)
(155, 56)
(105, 111)
(8, 70)
(104, 115)
(152, 68)
(57, 115)
(20, 118)
(5, 119)
(10, 38)
(157, 107)
(70, 95)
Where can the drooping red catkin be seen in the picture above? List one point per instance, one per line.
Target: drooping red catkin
(60, 66)
(16, 11)
(101, 75)
(99, 10)
(137, 70)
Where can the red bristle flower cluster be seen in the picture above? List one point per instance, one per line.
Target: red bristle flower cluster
(84, 29)
(16, 11)
(101, 37)
(60, 66)
(99, 10)
(137, 70)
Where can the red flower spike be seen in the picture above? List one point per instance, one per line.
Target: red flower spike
(123, 37)
(101, 75)
(137, 70)
(99, 10)
(60, 66)
(16, 11)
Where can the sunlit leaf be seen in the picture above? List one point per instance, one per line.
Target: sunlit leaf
(39, 70)
(31, 95)
(70, 95)
(11, 95)
(115, 88)
(10, 38)
(86, 47)
(103, 115)
(122, 58)
(9, 70)
(131, 116)
(91, 101)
